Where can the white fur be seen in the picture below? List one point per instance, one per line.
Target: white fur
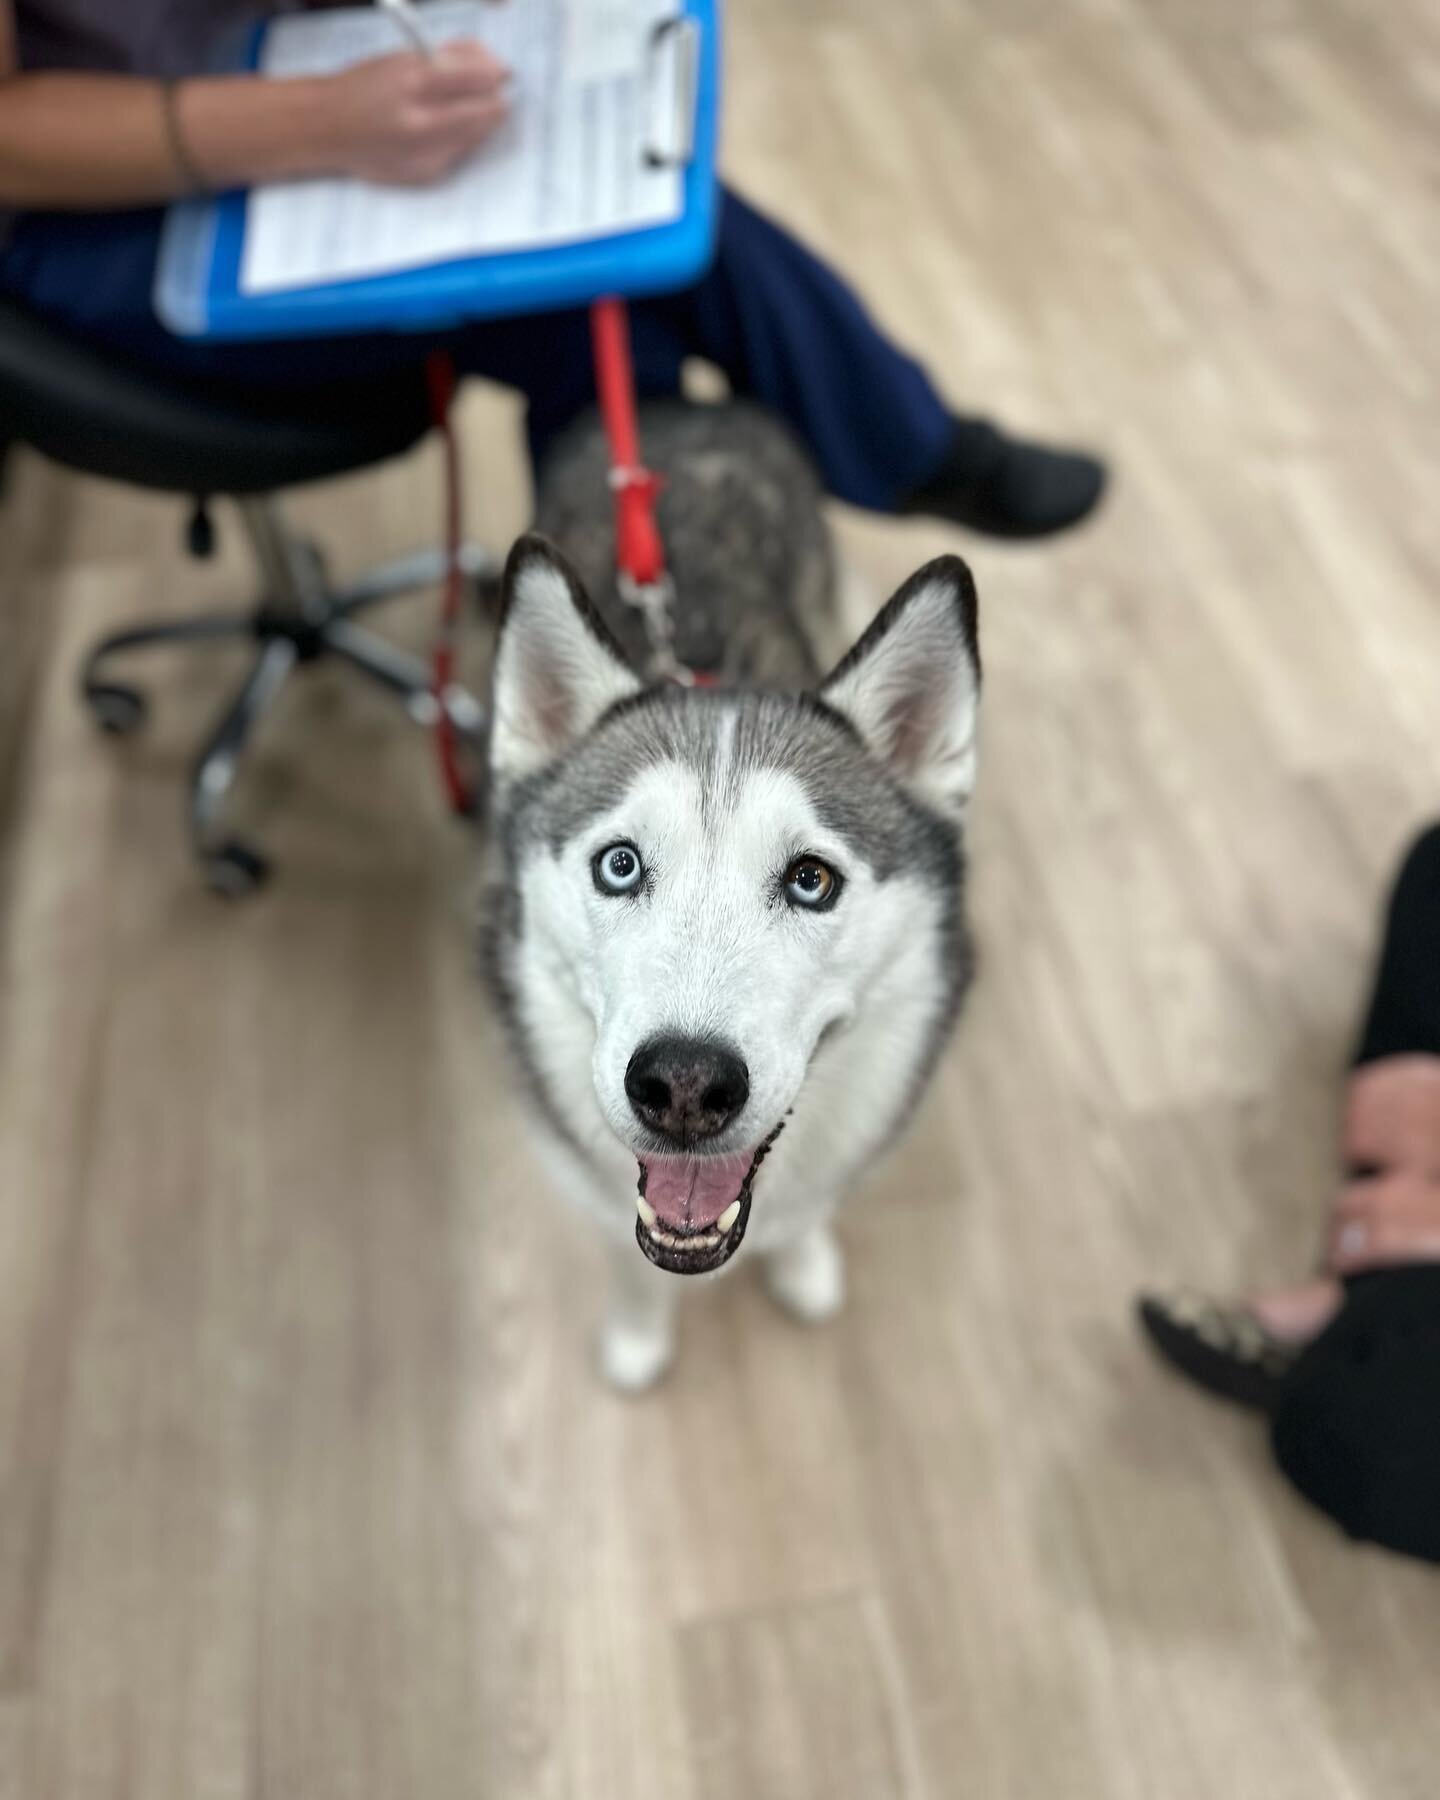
(637, 1340)
(916, 702)
(807, 1277)
(708, 955)
(553, 676)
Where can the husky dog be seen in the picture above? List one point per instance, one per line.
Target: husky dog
(725, 924)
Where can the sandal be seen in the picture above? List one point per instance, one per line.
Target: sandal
(1219, 1345)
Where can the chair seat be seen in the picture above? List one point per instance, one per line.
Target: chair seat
(85, 408)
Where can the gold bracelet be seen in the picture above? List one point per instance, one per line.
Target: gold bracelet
(192, 180)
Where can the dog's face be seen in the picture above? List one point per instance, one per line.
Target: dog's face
(716, 883)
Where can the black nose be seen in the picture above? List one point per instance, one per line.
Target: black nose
(686, 1088)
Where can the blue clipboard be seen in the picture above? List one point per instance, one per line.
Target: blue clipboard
(197, 283)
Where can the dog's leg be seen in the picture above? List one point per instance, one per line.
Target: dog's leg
(637, 1340)
(807, 1276)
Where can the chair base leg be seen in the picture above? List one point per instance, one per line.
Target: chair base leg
(408, 574)
(120, 708)
(407, 678)
(232, 867)
(298, 621)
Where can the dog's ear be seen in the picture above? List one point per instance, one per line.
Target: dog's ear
(557, 669)
(911, 686)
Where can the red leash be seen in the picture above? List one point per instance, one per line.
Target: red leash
(644, 581)
(639, 550)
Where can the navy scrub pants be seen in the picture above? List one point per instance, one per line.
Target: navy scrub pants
(783, 328)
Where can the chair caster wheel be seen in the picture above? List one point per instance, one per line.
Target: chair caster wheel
(234, 871)
(118, 711)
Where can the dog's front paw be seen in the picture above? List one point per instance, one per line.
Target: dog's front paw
(807, 1278)
(633, 1357)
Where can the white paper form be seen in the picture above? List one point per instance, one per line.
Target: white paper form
(568, 164)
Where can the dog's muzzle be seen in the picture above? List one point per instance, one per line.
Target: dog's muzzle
(693, 1210)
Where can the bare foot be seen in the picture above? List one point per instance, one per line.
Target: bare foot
(1294, 1315)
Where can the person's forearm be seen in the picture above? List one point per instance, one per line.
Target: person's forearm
(91, 142)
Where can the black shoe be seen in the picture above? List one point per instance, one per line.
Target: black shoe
(1221, 1346)
(1008, 488)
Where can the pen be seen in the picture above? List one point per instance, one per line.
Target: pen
(405, 16)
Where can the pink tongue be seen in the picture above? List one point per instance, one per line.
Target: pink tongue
(691, 1192)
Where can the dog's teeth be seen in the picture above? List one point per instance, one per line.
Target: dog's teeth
(648, 1215)
(728, 1217)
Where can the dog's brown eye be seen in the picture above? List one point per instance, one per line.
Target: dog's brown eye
(810, 882)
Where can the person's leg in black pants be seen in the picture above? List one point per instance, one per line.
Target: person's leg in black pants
(1357, 1424)
(1353, 1389)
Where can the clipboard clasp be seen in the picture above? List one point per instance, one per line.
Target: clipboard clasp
(673, 65)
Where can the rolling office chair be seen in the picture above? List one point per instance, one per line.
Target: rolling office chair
(92, 413)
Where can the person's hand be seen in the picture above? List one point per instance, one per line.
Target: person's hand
(407, 120)
(1392, 1115)
(1391, 1212)
(1384, 1221)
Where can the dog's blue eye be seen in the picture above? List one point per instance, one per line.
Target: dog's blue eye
(810, 882)
(619, 869)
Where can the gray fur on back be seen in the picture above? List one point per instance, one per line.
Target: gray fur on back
(745, 539)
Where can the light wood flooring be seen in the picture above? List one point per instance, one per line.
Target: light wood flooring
(307, 1491)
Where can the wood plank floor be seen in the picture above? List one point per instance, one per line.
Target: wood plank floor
(306, 1490)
